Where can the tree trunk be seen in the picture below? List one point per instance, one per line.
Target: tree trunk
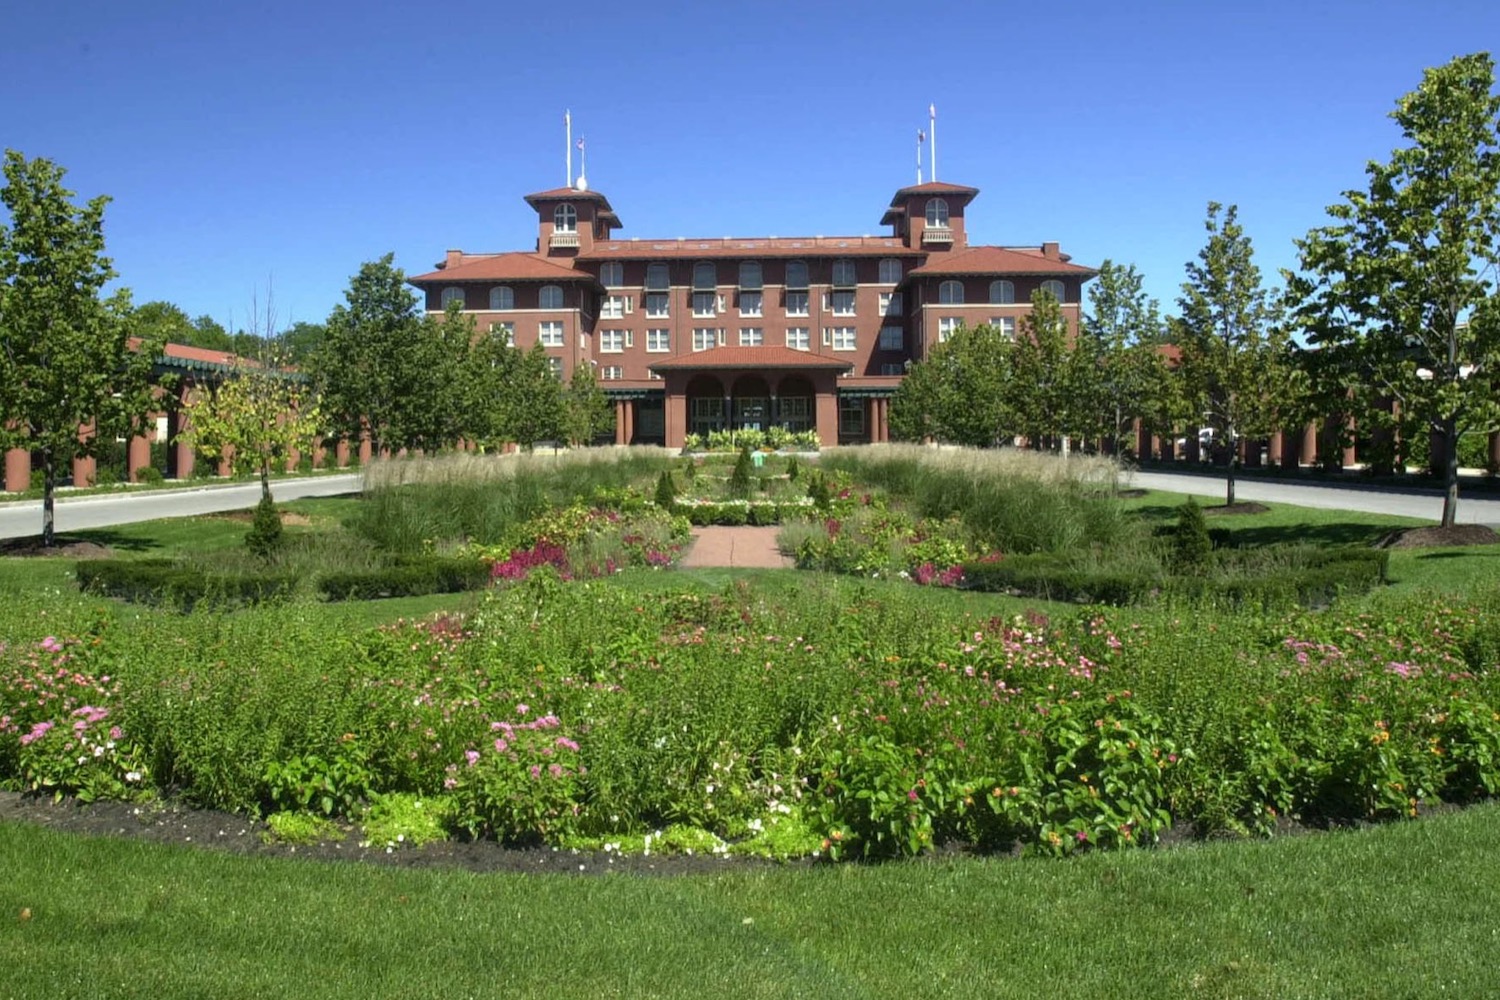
(1450, 472)
(49, 490)
(265, 479)
(1234, 464)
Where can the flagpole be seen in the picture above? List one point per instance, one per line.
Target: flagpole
(932, 132)
(919, 156)
(568, 142)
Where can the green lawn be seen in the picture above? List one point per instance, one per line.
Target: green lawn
(1404, 910)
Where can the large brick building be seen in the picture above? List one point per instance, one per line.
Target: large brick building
(690, 335)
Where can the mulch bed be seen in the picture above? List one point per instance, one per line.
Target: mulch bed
(1453, 535)
(1243, 507)
(64, 548)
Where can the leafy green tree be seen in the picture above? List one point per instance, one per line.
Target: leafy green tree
(531, 406)
(162, 322)
(210, 334)
(1400, 289)
(957, 394)
(1233, 348)
(1046, 373)
(587, 411)
(302, 341)
(1118, 342)
(65, 354)
(255, 419)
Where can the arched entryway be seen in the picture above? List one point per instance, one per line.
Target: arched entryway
(705, 399)
(752, 403)
(794, 404)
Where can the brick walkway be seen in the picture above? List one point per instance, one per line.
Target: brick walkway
(739, 548)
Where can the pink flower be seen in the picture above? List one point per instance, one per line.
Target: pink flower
(501, 746)
(555, 770)
(1082, 836)
(37, 732)
(911, 796)
(536, 770)
(51, 645)
(566, 743)
(472, 756)
(522, 709)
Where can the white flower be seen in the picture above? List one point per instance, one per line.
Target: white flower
(132, 776)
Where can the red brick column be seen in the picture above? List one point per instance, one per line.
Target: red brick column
(1273, 448)
(341, 453)
(137, 455)
(826, 408)
(178, 424)
(674, 411)
(1308, 453)
(366, 450)
(17, 470)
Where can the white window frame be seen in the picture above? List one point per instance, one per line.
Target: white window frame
(892, 338)
(946, 327)
(555, 366)
(751, 303)
(506, 327)
(659, 341)
(893, 368)
(614, 307)
(1057, 288)
(705, 304)
(891, 304)
(844, 338)
(752, 336)
(611, 373)
(1006, 325)
(449, 294)
(937, 213)
(951, 293)
(843, 303)
(658, 305)
(502, 298)
(549, 333)
(612, 274)
(799, 338)
(1002, 292)
(565, 219)
(890, 271)
(551, 297)
(611, 341)
(797, 302)
(705, 338)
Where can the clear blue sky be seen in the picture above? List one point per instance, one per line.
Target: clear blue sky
(283, 143)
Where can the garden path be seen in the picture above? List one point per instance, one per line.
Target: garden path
(740, 548)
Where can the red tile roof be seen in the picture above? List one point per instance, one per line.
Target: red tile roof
(568, 194)
(517, 266)
(751, 357)
(934, 187)
(187, 353)
(750, 247)
(998, 260)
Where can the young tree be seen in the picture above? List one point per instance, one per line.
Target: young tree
(255, 419)
(531, 407)
(587, 412)
(1400, 289)
(65, 355)
(958, 393)
(1233, 350)
(1044, 385)
(1118, 340)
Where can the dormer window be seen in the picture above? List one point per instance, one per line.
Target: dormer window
(1055, 289)
(612, 274)
(705, 277)
(890, 271)
(1002, 293)
(502, 298)
(450, 296)
(551, 297)
(750, 276)
(565, 219)
(951, 293)
(656, 278)
(796, 275)
(937, 213)
(843, 273)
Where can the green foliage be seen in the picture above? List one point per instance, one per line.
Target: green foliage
(960, 392)
(148, 475)
(397, 820)
(666, 490)
(587, 412)
(264, 536)
(336, 785)
(406, 576)
(300, 828)
(65, 356)
(178, 585)
(793, 470)
(739, 480)
(1190, 542)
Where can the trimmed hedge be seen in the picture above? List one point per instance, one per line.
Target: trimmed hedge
(1322, 576)
(171, 584)
(767, 512)
(407, 577)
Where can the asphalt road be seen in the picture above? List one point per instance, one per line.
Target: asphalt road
(1405, 502)
(19, 520)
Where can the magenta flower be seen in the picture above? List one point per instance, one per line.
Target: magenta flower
(912, 795)
(566, 743)
(1082, 836)
(37, 732)
(555, 770)
(501, 746)
(472, 756)
(522, 709)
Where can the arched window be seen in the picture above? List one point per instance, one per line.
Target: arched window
(551, 297)
(452, 295)
(1002, 293)
(1055, 288)
(612, 274)
(843, 273)
(657, 279)
(937, 213)
(796, 274)
(501, 297)
(890, 271)
(705, 277)
(565, 219)
(951, 293)
(750, 276)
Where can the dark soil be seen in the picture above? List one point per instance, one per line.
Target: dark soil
(1228, 509)
(1454, 535)
(63, 548)
(170, 823)
(248, 516)
(1131, 494)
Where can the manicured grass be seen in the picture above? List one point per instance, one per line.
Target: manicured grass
(1402, 910)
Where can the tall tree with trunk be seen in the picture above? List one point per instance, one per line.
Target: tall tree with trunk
(1401, 288)
(958, 393)
(1233, 347)
(255, 419)
(66, 357)
(586, 410)
(1046, 373)
(1118, 340)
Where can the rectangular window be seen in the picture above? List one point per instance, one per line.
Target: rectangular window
(612, 274)
(798, 338)
(555, 365)
(947, 325)
(892, 369)
(612, 341)
(750, 303)
(796, 303)
(703, 339)
(752, 336)
(1006, 325)
(610, 373)
(843, 303)
(842, 338)
(794, 408)
(550, 333)
(851, 417)
(507, 330)
(614, 307)
(890, 303)
(704, 304)
(657, 305)
(892, 338)
(658, 341)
